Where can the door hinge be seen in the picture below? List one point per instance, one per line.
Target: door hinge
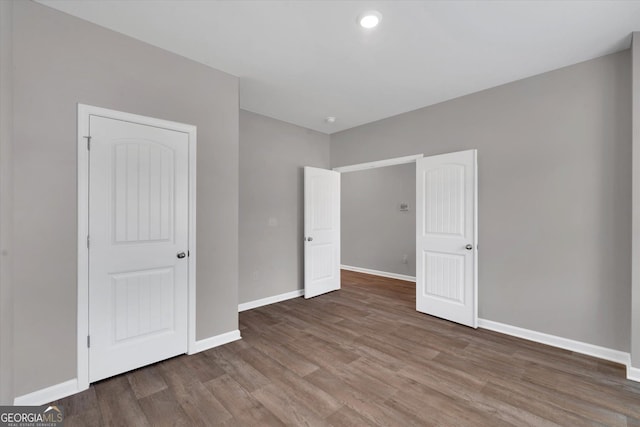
(88, 138)
(87, 241)
(88, 341)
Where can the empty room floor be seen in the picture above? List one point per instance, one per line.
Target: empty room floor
(363, 356)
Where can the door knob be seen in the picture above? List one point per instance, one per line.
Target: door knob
(181, 255)
(309, 239)
(468, 247)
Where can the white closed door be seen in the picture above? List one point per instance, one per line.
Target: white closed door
(446, 237)
(321, 231)
(138, 244)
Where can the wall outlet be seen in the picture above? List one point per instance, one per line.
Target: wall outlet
(405, 259)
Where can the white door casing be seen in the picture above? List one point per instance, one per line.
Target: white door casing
(321, 231)
(140, 216)
(446, 236)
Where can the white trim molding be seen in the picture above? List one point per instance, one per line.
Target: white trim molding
(605, 353)
(49, 394)
(379, 273)
(215, 341)
(67, 388)
(270, 300)
(379, 163)
(84, 114)
(633, 374)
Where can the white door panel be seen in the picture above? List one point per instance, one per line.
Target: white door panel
(322, 231)
(142, 303)
(446, 240)
(138, 223)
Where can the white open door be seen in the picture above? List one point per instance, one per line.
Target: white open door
(138, 248)
(446, 237)
(321, 231)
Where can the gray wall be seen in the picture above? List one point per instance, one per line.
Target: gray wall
(6, 131)
(554, 158)
(375, 234)
(272, 154)
(59, 61)
(635, 300)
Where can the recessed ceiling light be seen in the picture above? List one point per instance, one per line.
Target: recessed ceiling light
(370, 19)
(330, 120)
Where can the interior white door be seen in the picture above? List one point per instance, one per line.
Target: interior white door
(446, 236)
(321, 231)
(138, 229)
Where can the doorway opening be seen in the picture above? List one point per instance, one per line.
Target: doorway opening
(378, 219)
(446, 231)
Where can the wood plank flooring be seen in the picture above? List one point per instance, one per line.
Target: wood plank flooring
(363, 356)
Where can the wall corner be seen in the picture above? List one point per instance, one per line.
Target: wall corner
(635, 227)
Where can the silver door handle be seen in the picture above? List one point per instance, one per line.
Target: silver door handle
(468, 247)
(181, 255)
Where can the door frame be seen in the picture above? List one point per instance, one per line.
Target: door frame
(84, 113)
(379, 163)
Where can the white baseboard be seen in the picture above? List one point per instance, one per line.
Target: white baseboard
(379, 273)
(215, 341)
(49, 394)
(555, 341)
(67, 388)
(270, 300)
(633, 374)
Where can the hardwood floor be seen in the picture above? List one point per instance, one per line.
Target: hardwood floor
(363, 356)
